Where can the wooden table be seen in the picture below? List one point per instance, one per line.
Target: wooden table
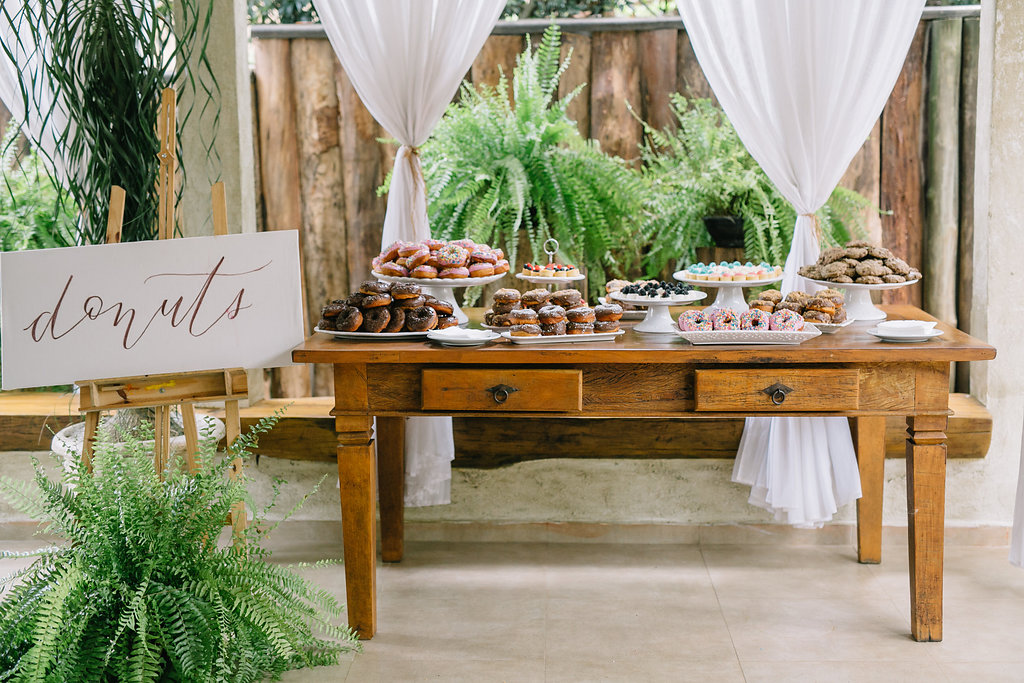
(847, 374)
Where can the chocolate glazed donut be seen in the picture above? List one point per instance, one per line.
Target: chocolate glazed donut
(397, 321)
(375, 319)
(442, 307)
(420, 319)
(348, 320)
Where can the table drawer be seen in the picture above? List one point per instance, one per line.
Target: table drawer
(777, 390)
(537, 391)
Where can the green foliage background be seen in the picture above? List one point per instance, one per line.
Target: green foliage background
(141, 590)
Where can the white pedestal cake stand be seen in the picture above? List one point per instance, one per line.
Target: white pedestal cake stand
(444, 289)
(730, 292)
(858, 297)
(658, 320)
(539, 280)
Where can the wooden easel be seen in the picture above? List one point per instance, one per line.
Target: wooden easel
(163, 392)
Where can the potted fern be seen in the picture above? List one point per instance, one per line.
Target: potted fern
(145, 589)
(703, 186)
(513, 174)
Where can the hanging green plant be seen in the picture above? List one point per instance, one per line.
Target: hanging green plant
(699, 168)
(106, 64)
(498, 171)
(142, 590)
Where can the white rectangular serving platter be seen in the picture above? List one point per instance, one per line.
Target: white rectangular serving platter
(563, 338)
(380, 336)
(738, 337)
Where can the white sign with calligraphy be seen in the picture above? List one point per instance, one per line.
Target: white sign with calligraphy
(142, 308)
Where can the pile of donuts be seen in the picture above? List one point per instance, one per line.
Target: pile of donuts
(387, 308)
(860, 262)
(826, 306)
(542, 313)
(432, 259)
(727, 319)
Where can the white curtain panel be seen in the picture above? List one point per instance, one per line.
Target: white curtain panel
(405, 59)
(1017, 534)
(803, 82)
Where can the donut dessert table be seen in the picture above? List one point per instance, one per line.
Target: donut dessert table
(848, 374)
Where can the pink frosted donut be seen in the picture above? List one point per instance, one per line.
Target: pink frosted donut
(402, 261)
(498, 253)
(725, 319)
(424, 271)
(452, 256)
(455, 273)
(501, 267)
(417, 259)
(375, 264)
(755, 319)
(390, 252)
(694, 321)
(787, 321)
(467, 244)
(393, 269)
(480, 256)
(481, 270)
(434, 245)
(410, 248)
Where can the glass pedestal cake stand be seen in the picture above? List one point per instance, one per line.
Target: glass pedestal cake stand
(659, 319)
(730, 292)
(444, 289)
(858, 297)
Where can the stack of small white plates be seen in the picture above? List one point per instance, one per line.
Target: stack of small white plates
(905, 331)
(458, 336)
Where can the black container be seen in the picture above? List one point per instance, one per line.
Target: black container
(725, 231)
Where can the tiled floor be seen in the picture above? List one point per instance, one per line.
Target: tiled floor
(591, 612)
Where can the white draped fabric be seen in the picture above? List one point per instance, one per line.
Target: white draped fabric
(405, 59)
(803, 82)
(1017, 535)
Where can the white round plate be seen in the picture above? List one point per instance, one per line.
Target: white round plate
(725, 283)
(676, 300)
(853, 286)
(539, 280)
(370, 336)
(858, 303)
(932, 334)
(441, 282)
(831, 328)
(627, 315)
(446, 340)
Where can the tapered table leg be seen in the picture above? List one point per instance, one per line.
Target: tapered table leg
(869, 439)
(926, 499)
(391, 486)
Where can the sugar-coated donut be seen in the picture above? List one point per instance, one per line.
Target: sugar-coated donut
(442, 307)
(755, 319)
(445, 321)
(481, 270)
(375, 319)
(452, 256)
(501, 267)
(821, 305)
(549, 315)
(536, 298)
(606, 326)
(397, 322)
(524, 316)
(376, 301)
(763, 305)
(725, 319)
(393, 269)
(409, 248)
(424, 271)
(374, 287)
(418, 258)
(694, 321)
(839, 316)
(580, 315)
(456, 273)
(553, 330)
(525, 330)
(405, 291)
(579, 328)
(773, 295)
(816, 317)
(420, 319)
(787, 321)
(501, 320)
(480, 256)
(567, 298)
(507, 296)
(608, 312)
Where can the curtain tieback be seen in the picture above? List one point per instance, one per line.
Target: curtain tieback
(815, 226)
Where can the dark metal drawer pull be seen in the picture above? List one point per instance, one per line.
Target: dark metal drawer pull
(777, 392)
(500, 392)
